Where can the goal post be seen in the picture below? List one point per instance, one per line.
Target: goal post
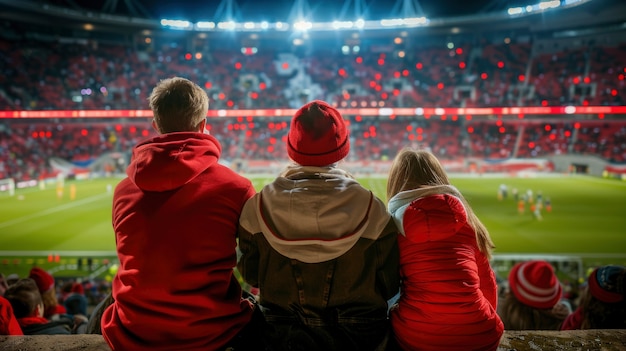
(7, 185)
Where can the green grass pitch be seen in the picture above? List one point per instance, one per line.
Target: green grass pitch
(588, 219)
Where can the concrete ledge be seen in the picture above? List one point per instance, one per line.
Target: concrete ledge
(592, 340)
(596, 340)
(78, 342)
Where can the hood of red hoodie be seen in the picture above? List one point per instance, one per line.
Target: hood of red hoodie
(171, 160)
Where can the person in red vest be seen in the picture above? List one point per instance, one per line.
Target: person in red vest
(448, 298)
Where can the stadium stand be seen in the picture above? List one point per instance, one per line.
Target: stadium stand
(27, 148)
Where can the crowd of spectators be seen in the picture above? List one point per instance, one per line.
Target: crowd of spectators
(27, 148)
(89, 75)
(532, 297)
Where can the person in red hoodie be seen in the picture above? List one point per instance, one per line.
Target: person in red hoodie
(448, 296)
(8, 323)
(175, 219)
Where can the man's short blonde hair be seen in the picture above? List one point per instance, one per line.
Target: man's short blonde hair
(178, 105)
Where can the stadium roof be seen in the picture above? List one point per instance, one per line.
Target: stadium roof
(279, 10)
(322, 18)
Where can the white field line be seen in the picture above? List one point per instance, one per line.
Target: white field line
(52, 210)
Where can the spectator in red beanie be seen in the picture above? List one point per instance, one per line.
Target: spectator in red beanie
(45, 284)
(603, 302)
(320, 247)
(535, 298)
(8, 322)
(175, 221)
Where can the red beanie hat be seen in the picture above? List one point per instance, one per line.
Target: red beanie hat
(78, 288)
(607, 283)
(43, 279)
(534, 284)
(318, 135)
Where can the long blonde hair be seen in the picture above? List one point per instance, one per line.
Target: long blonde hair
(518, 316)
(412, 169)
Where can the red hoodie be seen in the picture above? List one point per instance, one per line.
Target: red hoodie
(175, 219)
(8, 322)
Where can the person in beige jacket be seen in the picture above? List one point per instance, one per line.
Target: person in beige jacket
(321, 248)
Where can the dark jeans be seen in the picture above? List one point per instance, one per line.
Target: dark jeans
(251, 337)
(297, 336)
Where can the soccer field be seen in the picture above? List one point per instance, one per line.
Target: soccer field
(588, 220)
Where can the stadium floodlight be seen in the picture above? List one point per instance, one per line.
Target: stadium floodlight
(360, 23)
(342, 24)
(549, 4)
(205, 25)
(440, 111)
(176, 24)
(515, 11)
(228, 25)
(395, 22)
(249, 25)
(264, 25)
(419, 111)
(415, 21)
(282, 26)
(302, 26)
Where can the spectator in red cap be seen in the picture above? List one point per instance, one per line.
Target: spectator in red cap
(535, 298)
(448, 297)
(175, 220)
(603, 302)
(8, 323)
(320, 247)
(45, 283)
